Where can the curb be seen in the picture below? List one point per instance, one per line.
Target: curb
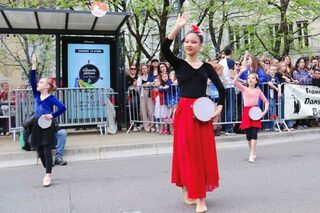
(154, 148)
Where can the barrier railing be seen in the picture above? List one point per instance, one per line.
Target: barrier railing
(153, 106)
(85, 107)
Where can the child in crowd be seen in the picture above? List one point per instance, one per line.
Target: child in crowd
(251, 95)
(273, 93)
(173, 96)
(160, 107)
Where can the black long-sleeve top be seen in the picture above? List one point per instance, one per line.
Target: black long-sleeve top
(192, 82)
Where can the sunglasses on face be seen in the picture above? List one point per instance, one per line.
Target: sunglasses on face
(237, 63)
(133, 68)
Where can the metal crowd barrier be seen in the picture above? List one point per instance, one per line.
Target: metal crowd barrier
(85, 107)
(141, 105)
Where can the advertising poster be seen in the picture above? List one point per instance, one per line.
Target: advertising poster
(89, 63)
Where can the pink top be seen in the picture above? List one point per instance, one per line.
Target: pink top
(250, 97)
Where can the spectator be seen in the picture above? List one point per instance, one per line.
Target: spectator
(133, 97)
(301, 74)
(287, 60)
(168, 65)
(274, 61)
(237, 69)
(164, 68)
(146, 105)
(154, 70)
(273, 93)
(287, 78)
(173, 96)
(266, 64)
(132, 76)
(161, 103)
(253, 66)
(314, 63)
(4, 94)
(316, 78)
(287, 73)
(4, 98)
(226, 78)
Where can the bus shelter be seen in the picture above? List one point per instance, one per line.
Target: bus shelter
(78, 32)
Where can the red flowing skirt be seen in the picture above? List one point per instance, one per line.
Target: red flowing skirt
(247, 122)
(194, 163)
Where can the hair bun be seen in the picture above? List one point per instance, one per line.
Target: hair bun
(52, 82)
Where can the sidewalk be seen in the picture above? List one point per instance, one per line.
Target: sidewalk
(89, 145)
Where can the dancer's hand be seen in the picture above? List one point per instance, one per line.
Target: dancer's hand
(48, 116)
(180, 23)
(182, 20)
(34, 61)
(217, 112)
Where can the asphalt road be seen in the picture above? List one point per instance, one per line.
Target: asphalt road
(285, 178)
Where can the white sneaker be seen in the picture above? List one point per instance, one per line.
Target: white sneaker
(230, 133)
(251, 159)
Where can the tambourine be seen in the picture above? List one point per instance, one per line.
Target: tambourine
(44, 123)
(255, 113)
(203, 109)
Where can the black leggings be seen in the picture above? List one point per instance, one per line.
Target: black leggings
(45, 155)
(252, 133)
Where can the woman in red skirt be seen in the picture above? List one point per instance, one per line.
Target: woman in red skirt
(194, 165)
(251, 95)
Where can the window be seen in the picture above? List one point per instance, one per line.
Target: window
(248, 33)
(274, 33)
(302, 32)
(234, 37)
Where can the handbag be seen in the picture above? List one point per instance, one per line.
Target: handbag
(28, 121)
(55, 125)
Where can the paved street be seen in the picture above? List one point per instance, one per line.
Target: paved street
(285, 179)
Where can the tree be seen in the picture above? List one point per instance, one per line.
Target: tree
(220, 16)
(148, 21)
(281, 40)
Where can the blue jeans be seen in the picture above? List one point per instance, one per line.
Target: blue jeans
(229, 111)
(61, 137)
(272, 111)
(272, 106)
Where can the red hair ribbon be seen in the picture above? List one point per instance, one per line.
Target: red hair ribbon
(196, 29)
(52, 81)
